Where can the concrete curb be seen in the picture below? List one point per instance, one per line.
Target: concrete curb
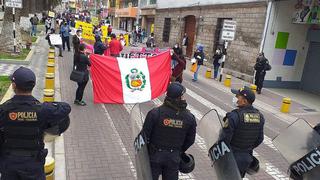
(27, 61)
(58, 146)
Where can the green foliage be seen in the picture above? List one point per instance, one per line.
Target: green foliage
(20, 56)
(4, 85)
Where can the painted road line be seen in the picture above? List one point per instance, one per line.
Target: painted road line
(189, 176)
(124, 150)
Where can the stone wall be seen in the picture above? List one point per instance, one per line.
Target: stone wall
(242, 52)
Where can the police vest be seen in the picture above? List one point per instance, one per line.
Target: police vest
(170, 130)
(248, 130)
(21, 129)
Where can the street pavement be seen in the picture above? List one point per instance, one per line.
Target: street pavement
(99, 142)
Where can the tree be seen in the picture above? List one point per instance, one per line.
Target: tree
(29, 7)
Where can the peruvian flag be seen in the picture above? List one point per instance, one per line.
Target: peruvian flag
(136, 80)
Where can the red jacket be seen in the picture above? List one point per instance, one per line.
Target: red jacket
(115, 47)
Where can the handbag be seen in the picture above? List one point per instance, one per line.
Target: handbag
(193, 67)
(77, 76)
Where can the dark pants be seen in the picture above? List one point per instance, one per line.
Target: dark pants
(216, 70)
(80, 90)
(65, 40)
(165, 163)
(243, 160)
(21, 168)
(259, 78)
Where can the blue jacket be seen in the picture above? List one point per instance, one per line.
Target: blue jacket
(65, 30)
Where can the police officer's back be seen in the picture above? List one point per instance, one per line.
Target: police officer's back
(170, 130)
(23, 120)
(243, 129)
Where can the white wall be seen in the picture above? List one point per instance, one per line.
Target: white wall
(281, 21)
(161, 4)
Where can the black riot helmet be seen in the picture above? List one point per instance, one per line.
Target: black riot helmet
(60, 127)
(175, 90)
(254, 166)
(187, 163)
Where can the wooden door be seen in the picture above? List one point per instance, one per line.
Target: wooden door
(190, 29)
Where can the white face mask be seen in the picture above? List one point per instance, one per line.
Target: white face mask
(235, 102)
(176, 46)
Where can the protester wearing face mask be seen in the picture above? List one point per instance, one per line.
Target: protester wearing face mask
(243, 129)
(65, 34)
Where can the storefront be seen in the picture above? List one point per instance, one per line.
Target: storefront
(126, 18)
(292, 45)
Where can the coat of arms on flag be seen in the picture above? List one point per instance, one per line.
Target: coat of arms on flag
(135, 80)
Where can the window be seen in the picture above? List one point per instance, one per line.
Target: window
(113, 3)
(153, 1)
(166, 30)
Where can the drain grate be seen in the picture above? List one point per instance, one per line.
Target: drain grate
(309, 110)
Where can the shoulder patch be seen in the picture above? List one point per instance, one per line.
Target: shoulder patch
(251, 117)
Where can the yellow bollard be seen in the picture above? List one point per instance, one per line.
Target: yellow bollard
(253, 88)
(126, 37)
(50, 67)
(286, 103)
(51, 60)
(49, 168)
(48, 95)
(49, 84)
(208, 73)
(51, 54)
(227, 81)
(51, 50)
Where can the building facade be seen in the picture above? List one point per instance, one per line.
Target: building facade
(148, 12)
(202, 21)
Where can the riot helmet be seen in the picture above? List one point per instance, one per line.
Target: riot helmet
(187, 163)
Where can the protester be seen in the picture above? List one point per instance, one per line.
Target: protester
(143, 35)
(47, 24)
(109, 30)
(115, 46)
(122, 40)
(177, 71)
(52, 31)
(178, 51)
(150, 42)
(34, 22)
(185, 42)
(82, 65)
(217, 57)
(262, 65)
(76, 41)
(98, 46)
(65, 33)
(199, 56)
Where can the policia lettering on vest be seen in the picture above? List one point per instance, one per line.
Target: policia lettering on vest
(23, 122)
(243, 130)
(170, 130)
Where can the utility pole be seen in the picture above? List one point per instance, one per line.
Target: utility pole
(14, 30)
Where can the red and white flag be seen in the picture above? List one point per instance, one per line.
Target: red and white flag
(136, 80)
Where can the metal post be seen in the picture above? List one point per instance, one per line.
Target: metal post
(2, 2)
(14, 31)
(223, 60)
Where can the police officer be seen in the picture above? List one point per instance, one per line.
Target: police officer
(262, 65)
(243, 129)
(23, 120)
(170, 130)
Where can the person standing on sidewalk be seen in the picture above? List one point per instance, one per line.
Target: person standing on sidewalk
(82, 65)
(23, 121)
(65, 34)
(185, 42)
(52, 31)
(199, 56)
(262, 65)
(216, 63)
(76, 41)
(115, 46)
(47, 24)
(34, 23)
(243, 129)
(169, 130)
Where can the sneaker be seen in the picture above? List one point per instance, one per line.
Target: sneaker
(84, 103)
(60, 56)
(76, 102)
(193, 80)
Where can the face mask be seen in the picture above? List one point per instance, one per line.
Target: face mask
(176, 46)
(235, 102)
